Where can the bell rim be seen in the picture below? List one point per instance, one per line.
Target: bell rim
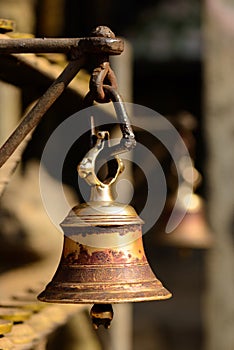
(109, 301)
(113, 293)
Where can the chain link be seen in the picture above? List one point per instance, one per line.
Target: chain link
(102, 75)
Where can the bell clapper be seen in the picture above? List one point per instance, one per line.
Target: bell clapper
(101, 315)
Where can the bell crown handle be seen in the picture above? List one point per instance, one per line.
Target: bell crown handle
(101, 190)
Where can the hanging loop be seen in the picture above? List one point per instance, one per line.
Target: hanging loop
(103, 74)
(87, 167)
(127, 142)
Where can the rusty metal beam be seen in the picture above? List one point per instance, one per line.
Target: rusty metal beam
(102, 43)
(36, 113)
(110, 46)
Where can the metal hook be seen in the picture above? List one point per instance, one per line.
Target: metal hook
(86, 168)
(127, 142)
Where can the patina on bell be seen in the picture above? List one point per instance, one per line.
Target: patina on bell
(103, 259)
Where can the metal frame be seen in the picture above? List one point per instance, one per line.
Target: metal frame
(102, 44)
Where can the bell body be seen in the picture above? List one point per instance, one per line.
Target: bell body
(103, 259)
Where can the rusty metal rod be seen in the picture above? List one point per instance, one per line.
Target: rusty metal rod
(111, 46)
(34, 116)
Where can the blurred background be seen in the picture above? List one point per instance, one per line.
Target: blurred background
(178, 60)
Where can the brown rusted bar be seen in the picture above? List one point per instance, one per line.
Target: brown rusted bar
(34, 116)
(102, 42)
(111, 46)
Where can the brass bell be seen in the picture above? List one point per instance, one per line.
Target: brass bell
(193, 231)
(103, 259)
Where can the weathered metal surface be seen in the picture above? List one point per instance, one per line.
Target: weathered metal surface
(75, 253)
(103, 259)
(96, 275)
(102, 41)
(86, 45)
(101, 73)
(94, 45)
(128, 142)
